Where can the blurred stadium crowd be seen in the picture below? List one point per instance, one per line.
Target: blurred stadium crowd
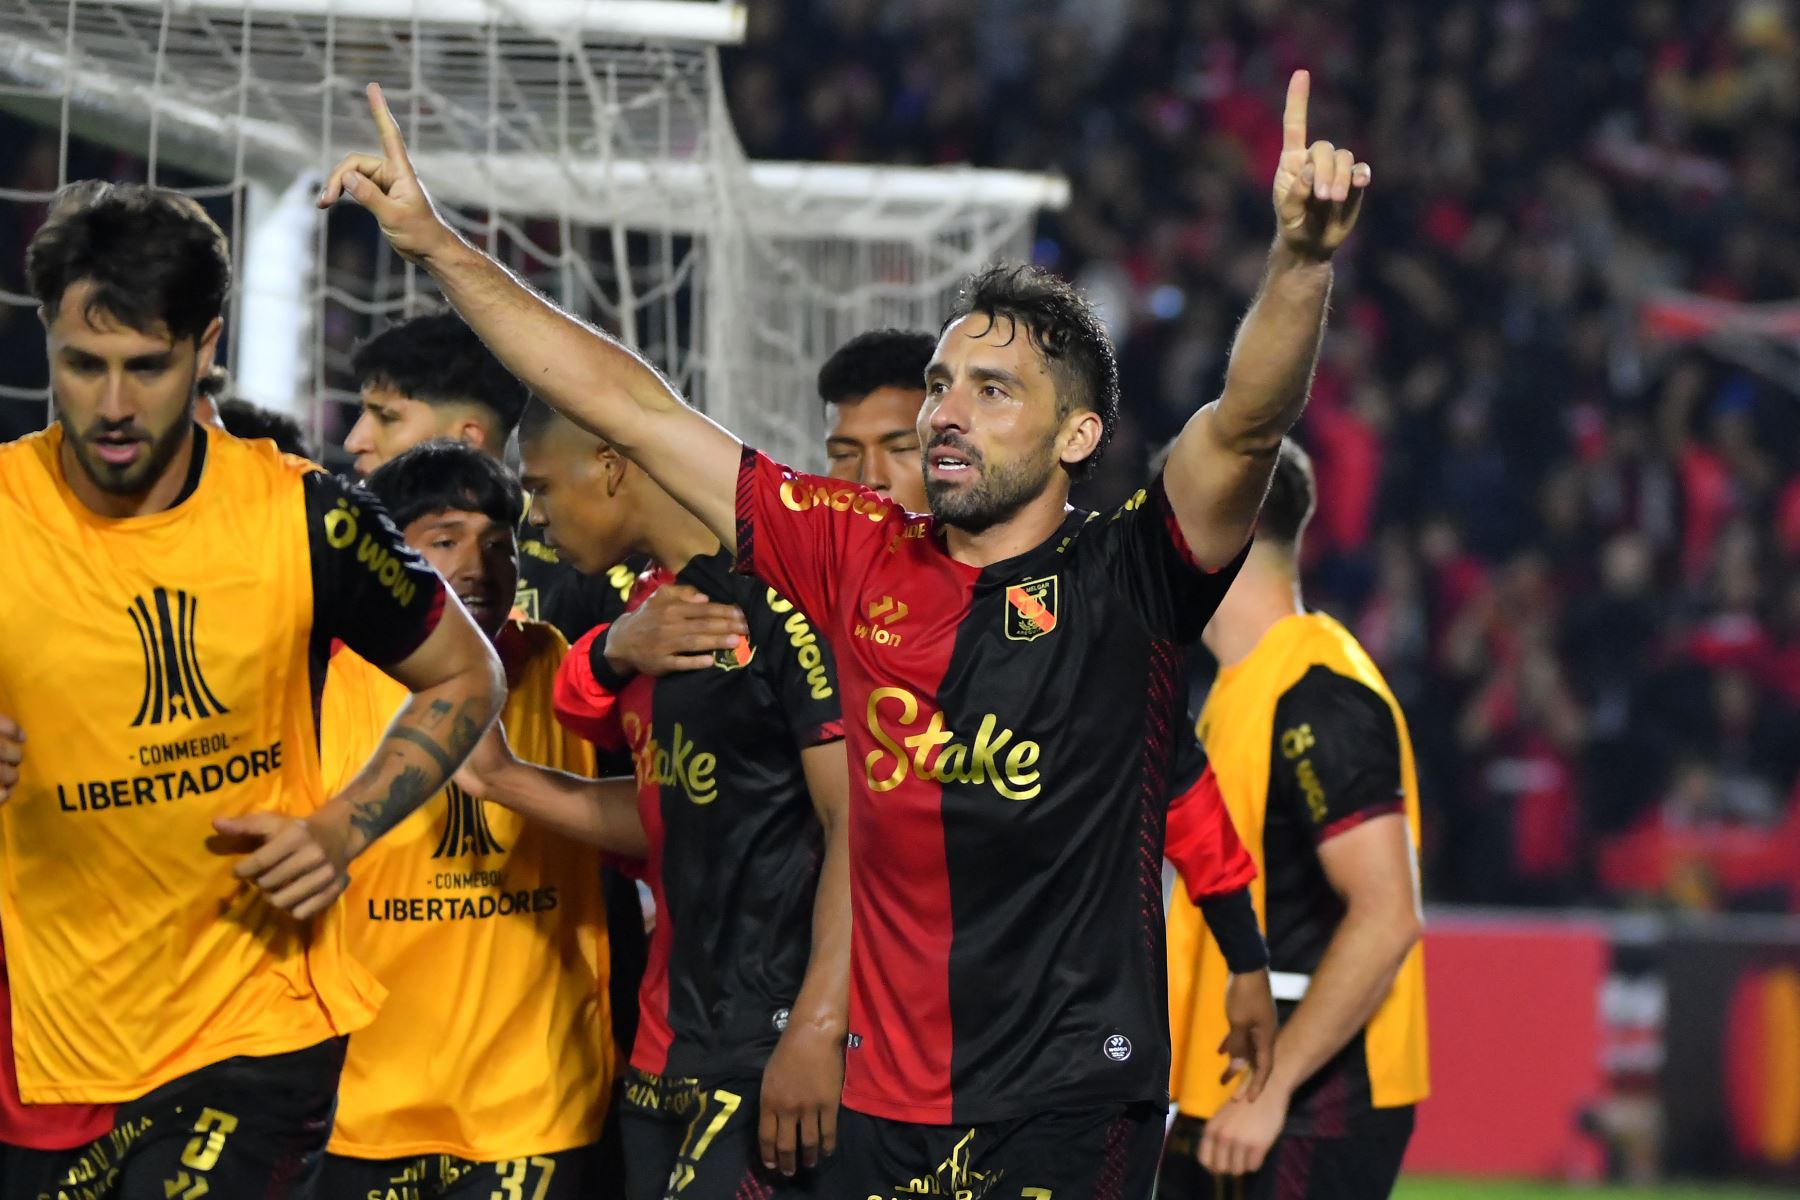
(1573, 547)
(1574, 551)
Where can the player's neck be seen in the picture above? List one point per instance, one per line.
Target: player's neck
(1027, 528)
(162, 493)
(1264, 593)
(673, 537)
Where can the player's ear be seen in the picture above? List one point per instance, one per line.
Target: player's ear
(208, 346)
(471, 433)
(1080, 435)
(613, 468)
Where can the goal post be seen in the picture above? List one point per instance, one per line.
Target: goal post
(585, 143)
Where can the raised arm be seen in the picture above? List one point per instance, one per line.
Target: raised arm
(1219, 468)
(579, 370)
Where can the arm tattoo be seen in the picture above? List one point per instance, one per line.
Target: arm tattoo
(406, 791)
(413, 785)
(434, 716)
(465, 732)
(445, 760)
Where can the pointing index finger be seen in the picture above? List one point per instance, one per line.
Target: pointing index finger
(393, 146)
(1293, 118)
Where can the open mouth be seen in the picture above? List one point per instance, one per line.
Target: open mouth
(947, 463)
(481, 605)
(117, 450)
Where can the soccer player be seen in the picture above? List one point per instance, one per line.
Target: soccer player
(1312, 755)
(873, 386)
(170, 857)
(430, 377)
(1010, 667)
(741, 791)
(488, 1069)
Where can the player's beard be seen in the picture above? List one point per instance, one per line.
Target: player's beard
(999, 491)
(140, 476)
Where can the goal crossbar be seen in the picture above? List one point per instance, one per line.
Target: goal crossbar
(795, 199)
(663, 20)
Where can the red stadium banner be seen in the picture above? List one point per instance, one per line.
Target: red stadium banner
(1516, 1045)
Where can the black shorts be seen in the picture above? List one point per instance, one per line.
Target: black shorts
(565, 1175)
(252, 1127)
(1108, 1152)
(694, 1139)
(28, 1172)
(1361, 1165)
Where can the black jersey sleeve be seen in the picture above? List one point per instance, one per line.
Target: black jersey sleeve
(801, 670)
(1152, 567)
(371, 590)
(1190, 762)
(1335, 761)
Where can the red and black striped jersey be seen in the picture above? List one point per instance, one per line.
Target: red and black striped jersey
(735, 844)
(1011, 732)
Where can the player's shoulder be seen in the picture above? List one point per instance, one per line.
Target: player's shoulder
(532, 651)
(1316, 639)
(1324, 696)
(37, 446)
(259, 455)
(821, 495)
(27, 463)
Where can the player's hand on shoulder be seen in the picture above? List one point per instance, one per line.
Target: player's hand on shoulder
(800, 1093)
(676, 629)
(12, 753)
(491, 758)
(300, 865)
(386, 185)
(1319, 187)
(1238, 1137)
(1250, 1045)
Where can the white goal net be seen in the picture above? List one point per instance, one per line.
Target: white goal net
(584, 142)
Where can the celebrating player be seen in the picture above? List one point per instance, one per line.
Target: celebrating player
(741, 792)
(170, 856)
(873, 387)
(1011, 668)
(1312, 755)
(488, 1069)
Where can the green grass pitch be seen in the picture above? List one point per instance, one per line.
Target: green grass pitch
(1418, 1188)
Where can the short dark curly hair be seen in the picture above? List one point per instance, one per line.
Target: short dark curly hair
(438, 359)
(1065, 329)
(444, 476)
(877, 359)
(151, 256)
